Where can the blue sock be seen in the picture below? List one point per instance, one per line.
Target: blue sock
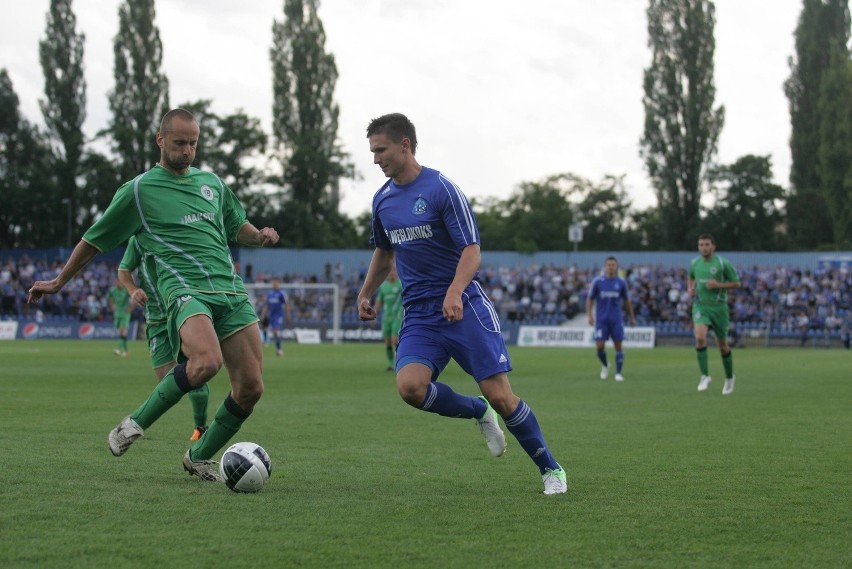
(619, 361)
(277, 342)
(602, 357)
(441, 399)
(524, 426)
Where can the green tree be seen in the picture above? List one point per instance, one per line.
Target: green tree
(821, 23)
(304, 121)
(491, 218)
(606, 214)
(100, 179)
(835, 146)
(536, 217)
(64, 106)
(141, 94)
(234, 147)
(747, 209)
(30, 216)
(681, 125)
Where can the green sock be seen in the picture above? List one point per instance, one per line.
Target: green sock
(163, 398)
(229, 418)
(198, 398)
(728, 363)
(122, 343)
(389, 353)
(702, 360)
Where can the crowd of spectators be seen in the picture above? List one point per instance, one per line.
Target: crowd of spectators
(781, 299)
(83, 298)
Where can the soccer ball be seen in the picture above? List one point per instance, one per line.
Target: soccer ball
(245, 467)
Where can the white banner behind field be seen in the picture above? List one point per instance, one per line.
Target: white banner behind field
(570, 337)
(8, 329)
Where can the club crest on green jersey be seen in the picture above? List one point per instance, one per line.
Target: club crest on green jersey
(207, 192)
(420, 206)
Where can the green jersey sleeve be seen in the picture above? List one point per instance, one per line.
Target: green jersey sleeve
(131, 259)
(117, 224)
(729, 272)
(233, 213)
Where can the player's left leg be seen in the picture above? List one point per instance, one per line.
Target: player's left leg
(522, 423)
(619, 361)
(242, 351)
(720, 328)
(617, 335)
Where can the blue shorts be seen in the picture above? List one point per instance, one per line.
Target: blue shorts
(276, 322)
(476, 342)
(609, 329)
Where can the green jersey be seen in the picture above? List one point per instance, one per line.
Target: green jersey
(717, 268)
(390, 294)
(120, 299)
(184, 223)
(135, 258)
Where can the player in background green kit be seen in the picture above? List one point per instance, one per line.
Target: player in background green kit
(119, 304)
(389, 298)
(157, 331)
(710, 279)
(185, 218)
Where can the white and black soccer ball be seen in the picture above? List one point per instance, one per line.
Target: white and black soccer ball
(245, 467)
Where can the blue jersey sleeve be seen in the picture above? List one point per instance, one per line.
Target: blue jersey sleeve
(458, 216)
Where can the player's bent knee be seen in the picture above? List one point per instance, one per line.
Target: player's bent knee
(412, 393)
(247, 394)
(203, 368)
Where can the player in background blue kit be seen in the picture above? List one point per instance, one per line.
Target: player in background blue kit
(275, 308)
(609, 291)
(422, 222)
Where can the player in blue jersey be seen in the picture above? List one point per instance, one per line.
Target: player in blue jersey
(608, 292)
(275, 308)
(423, 222)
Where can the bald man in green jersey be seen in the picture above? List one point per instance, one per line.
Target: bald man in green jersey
(156, 329)
(185, 218)
(710, 279)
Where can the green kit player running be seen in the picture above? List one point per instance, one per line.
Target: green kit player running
(389, 298)
(184, 218)
(710, 278)
(119, 303)
(162, 359)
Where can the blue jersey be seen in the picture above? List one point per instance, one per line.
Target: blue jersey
(608, 295)
(275, 301)
(427, 223)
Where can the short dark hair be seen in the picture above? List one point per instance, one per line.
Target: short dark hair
(396, 126)
(707, 237)
(610, 258)
(166, 123)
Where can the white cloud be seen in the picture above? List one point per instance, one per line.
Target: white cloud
(501, 91)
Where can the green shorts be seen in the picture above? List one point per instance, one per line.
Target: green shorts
(121, 320)
(229, 314)
(159, 345)
(390, 327)
(713, 315)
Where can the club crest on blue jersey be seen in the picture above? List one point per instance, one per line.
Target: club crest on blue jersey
(420, 206)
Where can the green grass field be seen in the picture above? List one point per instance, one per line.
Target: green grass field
(661, 476)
